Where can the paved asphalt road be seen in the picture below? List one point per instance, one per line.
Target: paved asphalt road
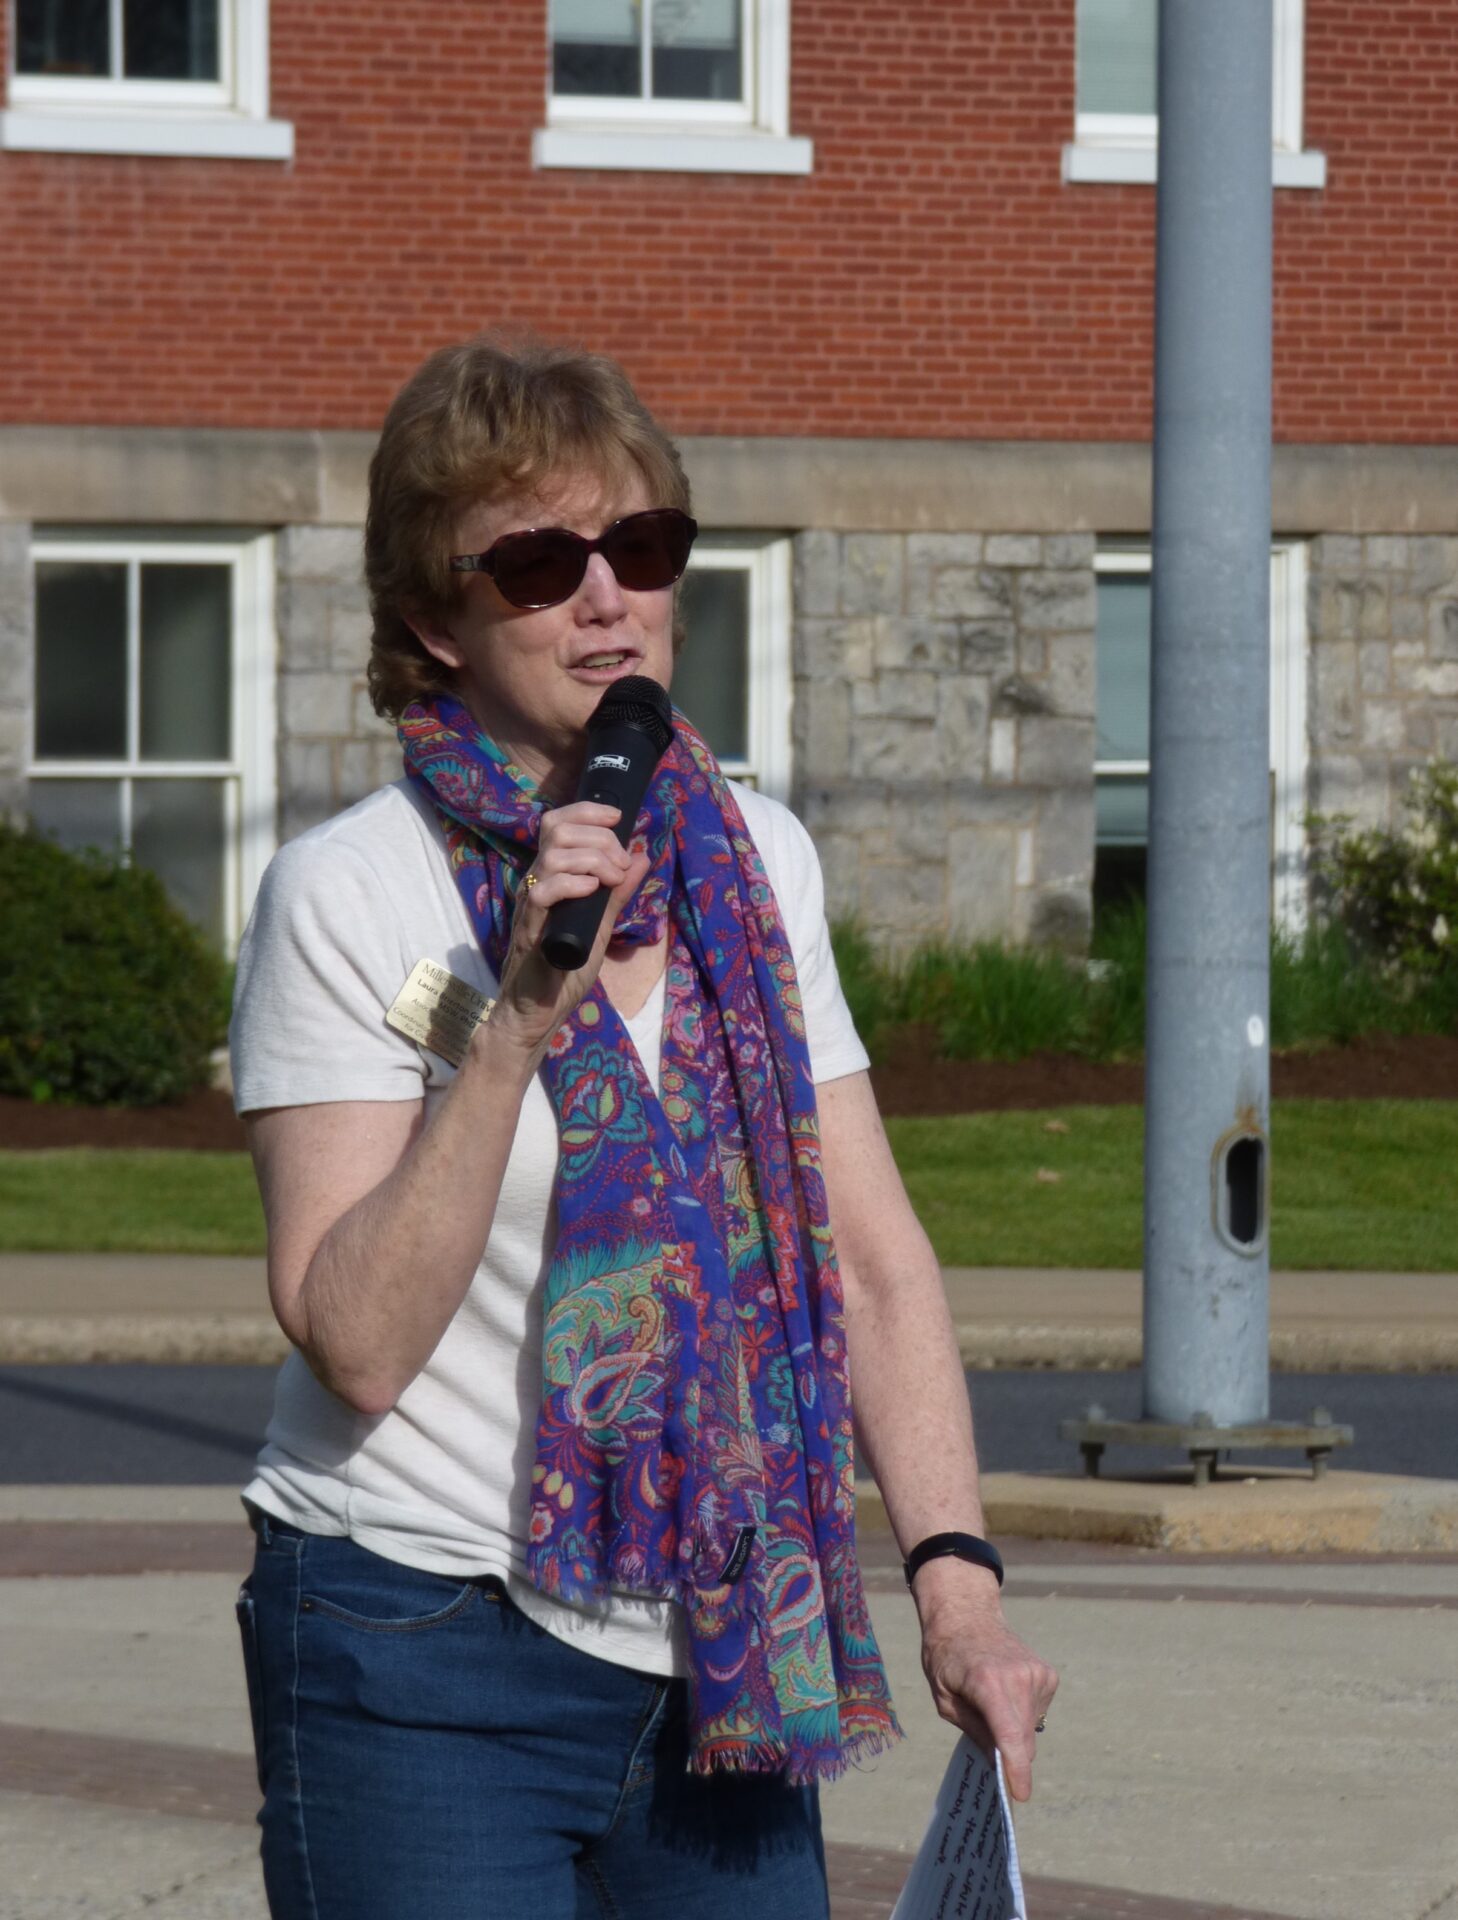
(201, 1425)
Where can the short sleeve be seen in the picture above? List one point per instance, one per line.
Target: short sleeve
(321, 960)
(794, 872)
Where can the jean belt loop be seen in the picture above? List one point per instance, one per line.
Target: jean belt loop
(259, 1521)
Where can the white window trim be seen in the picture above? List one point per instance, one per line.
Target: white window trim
(1289, 746)
(250, 769)
(223, 120)
(768, 563)
(1122, 148)
(682, 136)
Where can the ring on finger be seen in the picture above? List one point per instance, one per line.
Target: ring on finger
(1042, 1724)
(529, 880)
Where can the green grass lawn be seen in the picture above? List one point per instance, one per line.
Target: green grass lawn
(1356, 1184)
(74, 1200)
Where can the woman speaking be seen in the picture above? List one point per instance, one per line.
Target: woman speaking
(555, 1607)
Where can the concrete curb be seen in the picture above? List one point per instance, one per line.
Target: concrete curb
(1326, 1350)
(145, 1339)
(254, 1340)
(1262, 1510)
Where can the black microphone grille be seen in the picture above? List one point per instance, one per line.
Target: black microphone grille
(636, 701)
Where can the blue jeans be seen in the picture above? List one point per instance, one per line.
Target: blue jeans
(426, 1752)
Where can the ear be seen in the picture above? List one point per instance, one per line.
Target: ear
(437, 639)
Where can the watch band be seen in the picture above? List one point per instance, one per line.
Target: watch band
(960, 1546)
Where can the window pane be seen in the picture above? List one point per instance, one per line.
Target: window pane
(711, 677)
(78, 813)
(177, 831)
(186, 663)
(1123, 667)
(67, 39)
(696, 50)
(1121, 811)
(1116, 55)
(597, 47)
(80, 660)
(170, 39)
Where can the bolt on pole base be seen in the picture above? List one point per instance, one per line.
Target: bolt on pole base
(1204, 1441)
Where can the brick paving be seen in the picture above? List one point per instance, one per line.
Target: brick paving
(161, 1778)
(148, 1776)
(158, 1777)
(76, 1547)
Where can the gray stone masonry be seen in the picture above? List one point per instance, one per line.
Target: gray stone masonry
(17, 655)
(944, 731)
(332, 750)
(1383, 683)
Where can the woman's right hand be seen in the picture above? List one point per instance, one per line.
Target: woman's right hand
(578, 853)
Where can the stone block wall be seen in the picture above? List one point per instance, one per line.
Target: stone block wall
(332, 749)
(1383, 673)
(944, 731)
(17, 658)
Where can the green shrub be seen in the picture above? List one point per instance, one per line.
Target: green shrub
(992, 1002)
(869, 987)
(1117, 971)
(1397, 892)
(107, 992)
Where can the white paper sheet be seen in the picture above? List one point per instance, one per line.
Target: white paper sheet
(967, 1868)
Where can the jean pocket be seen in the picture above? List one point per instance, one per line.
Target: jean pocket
(248, 1633)
(349, 1584)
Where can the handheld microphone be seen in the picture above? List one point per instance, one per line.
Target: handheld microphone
(627, 736)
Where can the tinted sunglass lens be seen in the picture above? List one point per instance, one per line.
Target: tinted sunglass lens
(649, 550)
(539, 569)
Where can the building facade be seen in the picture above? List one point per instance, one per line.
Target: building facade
(887, 273)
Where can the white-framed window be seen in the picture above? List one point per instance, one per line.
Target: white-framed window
(1116, 122)
(671, 85)
(1121, 764)
(161, 77)
(732, 677)
(152, 729)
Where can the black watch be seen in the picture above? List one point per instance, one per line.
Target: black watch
(959, 1546)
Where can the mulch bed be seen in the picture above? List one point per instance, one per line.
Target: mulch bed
(1380, 1067)
(911, 1081)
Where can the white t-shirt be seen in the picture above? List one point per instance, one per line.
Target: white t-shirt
(443, 1480)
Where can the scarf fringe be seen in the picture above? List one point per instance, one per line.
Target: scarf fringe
(799, 1770)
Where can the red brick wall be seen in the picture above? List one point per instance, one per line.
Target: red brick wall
(932, 277)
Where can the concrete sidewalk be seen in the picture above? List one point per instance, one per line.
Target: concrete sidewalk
(1231, 1738)
(139, 1307)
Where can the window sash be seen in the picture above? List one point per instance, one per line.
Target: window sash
(764, 109)
(247, 771)
(644, 106)
(1288, 742)
(1135, 130)
(766, 764)
(241, 86)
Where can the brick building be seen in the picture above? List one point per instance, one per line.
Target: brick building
(888, 274)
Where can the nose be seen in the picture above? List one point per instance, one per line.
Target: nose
(600, 596)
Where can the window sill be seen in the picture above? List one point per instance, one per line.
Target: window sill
(671, 150)
(224, 136)
(1136, 166)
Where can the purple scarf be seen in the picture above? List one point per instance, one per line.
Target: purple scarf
(695, 1432)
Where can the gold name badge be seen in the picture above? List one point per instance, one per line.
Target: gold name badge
(438, 1011)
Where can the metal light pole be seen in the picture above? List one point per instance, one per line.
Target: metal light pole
(1207, 1094)
(1207, 1090)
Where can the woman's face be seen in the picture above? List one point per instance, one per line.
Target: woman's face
(532, 678)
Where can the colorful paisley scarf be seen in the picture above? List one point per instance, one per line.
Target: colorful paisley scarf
(695, 1431)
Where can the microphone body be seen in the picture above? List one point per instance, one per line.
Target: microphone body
(626, 737)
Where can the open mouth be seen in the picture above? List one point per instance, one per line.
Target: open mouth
(605, 662)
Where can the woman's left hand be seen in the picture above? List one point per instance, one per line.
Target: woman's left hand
(982, 1678)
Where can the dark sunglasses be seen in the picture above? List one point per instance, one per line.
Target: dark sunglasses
(543, 566)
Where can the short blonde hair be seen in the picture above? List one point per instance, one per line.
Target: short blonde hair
(478, 423)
